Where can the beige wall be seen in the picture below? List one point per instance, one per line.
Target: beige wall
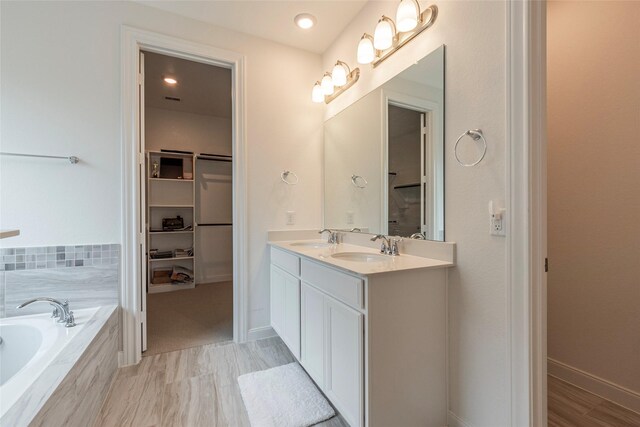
(475, 57)
(594, 188)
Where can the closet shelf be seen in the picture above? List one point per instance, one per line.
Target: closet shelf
(169, 259)
(171, 206)
(153, 233)
(411, 185)
(170, 179)
(168, 287)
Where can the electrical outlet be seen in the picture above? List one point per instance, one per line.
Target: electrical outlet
(497, 223)
(350, 217)
(291, 217)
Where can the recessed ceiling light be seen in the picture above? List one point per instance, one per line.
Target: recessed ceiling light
(170, 80)
(305, 20)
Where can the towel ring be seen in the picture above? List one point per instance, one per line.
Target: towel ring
(354, 181)
(284, 177)
(475, 135)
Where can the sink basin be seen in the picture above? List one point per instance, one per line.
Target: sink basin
(360, 257)
(314, 245)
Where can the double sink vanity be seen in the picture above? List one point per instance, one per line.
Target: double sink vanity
(369, 328)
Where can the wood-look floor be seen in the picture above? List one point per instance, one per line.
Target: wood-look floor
(570, 406)
(192, 387)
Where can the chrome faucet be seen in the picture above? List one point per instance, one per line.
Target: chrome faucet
(333, 235)
(385, 247)
(389, 246)
(61, 310)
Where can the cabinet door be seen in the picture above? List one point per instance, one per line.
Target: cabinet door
(312, 333)
(285, 308)
(277, 299)
(291, 326)
(344, 360)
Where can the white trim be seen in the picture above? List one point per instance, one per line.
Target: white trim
(538, 200)
(133, 40)
(219, 278)
(593, 384)
(454, 420)
(526, 239)
(261, 333)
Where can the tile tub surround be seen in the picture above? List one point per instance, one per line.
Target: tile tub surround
(84, 287)
(72, 388)
(58, 256)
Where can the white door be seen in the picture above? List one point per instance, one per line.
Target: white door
(312, 332)
(344, 360)
(142, 223)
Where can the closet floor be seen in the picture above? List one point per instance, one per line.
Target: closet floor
(189, 318)
(570, 406)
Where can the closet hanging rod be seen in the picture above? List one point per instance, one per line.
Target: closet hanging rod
(214, 225)
(71, 159)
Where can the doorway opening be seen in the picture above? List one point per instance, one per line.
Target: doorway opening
(186, 136)
(408, 164)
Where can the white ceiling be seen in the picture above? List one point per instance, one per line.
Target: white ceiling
(272, 20)
(201, 88)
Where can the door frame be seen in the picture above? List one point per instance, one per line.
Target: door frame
(526, 180)
(432, 110)
(133, 41)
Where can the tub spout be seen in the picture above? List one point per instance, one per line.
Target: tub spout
(61, 310)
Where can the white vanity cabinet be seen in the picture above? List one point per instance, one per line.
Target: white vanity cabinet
(374, 344)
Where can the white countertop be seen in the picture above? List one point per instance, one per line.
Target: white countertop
(390, 264)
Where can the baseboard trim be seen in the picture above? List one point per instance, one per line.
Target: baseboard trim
(261, 333)
(215, 279)
(456, 421)
(594, 384)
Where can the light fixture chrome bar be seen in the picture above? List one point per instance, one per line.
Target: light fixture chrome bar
(352, 78)
(427, 18)
(71, 159)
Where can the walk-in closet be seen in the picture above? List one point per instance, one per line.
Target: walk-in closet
(188, 203)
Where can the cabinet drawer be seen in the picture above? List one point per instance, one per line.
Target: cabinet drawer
(286, 261)
(343, 287)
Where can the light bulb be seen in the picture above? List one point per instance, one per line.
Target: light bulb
(383, 35)
(366, 52)
(327, 84)
(316, 93)
(407, 15)
(339, 75)
(170, 80)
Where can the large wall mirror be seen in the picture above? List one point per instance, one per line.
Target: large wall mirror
(384, 160)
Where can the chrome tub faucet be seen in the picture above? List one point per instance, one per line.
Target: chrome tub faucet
(60, 311)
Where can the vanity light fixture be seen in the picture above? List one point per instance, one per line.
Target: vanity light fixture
(366, 51)
(327, 84)
(170, 80)
(384, 34)
(316, 93)
(339, 73)
(390, 36)
(333, 84)
(407, 15)
(305, 20)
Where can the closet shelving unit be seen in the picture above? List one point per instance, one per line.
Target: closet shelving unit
(166, 197)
